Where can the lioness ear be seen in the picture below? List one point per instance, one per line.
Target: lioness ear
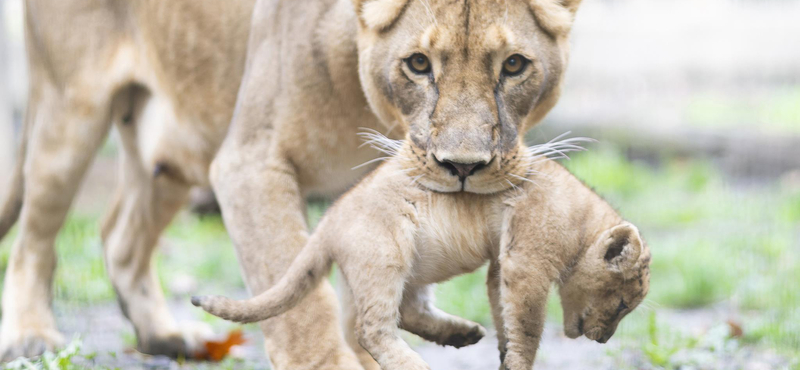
(555, 16)
(619, 246)
(379, 14)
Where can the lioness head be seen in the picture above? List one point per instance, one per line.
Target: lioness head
(465, 79)
(607, 283)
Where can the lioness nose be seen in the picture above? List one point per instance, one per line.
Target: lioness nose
(462, 170)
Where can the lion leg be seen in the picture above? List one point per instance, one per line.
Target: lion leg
(349, 317)
(148, 196)
(418, 315)
(66, 132)
(263, 210)
(142, 209)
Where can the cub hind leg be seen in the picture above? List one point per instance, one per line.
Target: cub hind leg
(418, 315)
(377, 300)
(349, 317)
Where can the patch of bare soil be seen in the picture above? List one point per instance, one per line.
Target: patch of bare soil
(106, 333)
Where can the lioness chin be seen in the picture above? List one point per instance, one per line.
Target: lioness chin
(393, 238)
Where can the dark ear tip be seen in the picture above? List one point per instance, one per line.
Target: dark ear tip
(196, 300)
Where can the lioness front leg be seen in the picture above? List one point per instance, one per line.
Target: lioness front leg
(263, 211)
(263, 206)
(418, 315)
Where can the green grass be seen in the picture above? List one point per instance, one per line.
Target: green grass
(465, 296)
(80, 275)
(69, 358)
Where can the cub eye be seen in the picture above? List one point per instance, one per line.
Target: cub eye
(419, 63)
(514, 65)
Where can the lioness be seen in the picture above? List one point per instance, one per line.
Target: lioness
(392, 238)
(465, 79)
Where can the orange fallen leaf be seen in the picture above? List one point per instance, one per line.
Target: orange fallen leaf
(736, 329)
(217, 350)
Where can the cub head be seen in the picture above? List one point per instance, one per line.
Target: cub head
(464, 79)
(607, 283)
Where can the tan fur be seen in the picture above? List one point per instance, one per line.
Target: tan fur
(379, 14)
(552, 229)
(309, 77)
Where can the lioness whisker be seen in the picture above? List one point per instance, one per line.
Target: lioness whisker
(514, 187)
(371, 161)
(380, 142)
(552, 150)
(559, 147)
(523, 178)
(535, 172)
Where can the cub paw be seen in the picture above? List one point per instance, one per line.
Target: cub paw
(29, 343)
(458, 340)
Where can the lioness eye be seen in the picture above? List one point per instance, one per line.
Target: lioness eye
(514, 65)
(419, 63)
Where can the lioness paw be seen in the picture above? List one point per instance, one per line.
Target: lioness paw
(29, 343)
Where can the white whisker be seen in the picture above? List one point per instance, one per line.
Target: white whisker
(558, 147)
(515, 188)
(380, 142)
(369, 162)
(523, 178)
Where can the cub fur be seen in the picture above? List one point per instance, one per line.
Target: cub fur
(393, 238)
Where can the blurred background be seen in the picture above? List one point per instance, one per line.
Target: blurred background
(696, 106)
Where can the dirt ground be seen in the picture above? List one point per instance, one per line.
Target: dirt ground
(105, 333)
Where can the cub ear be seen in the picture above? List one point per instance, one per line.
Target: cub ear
(619, 246)
(555, 16)
(378, 14)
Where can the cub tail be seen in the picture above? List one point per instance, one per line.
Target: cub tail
(311, 265)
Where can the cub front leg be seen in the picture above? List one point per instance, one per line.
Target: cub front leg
(418, 315)
(524, 284)
(493, 289)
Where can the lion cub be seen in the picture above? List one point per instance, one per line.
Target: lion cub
(392, 239)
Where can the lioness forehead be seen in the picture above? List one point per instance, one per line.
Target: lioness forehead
(466, 25)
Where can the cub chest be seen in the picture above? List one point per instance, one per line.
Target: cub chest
(455, 236)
